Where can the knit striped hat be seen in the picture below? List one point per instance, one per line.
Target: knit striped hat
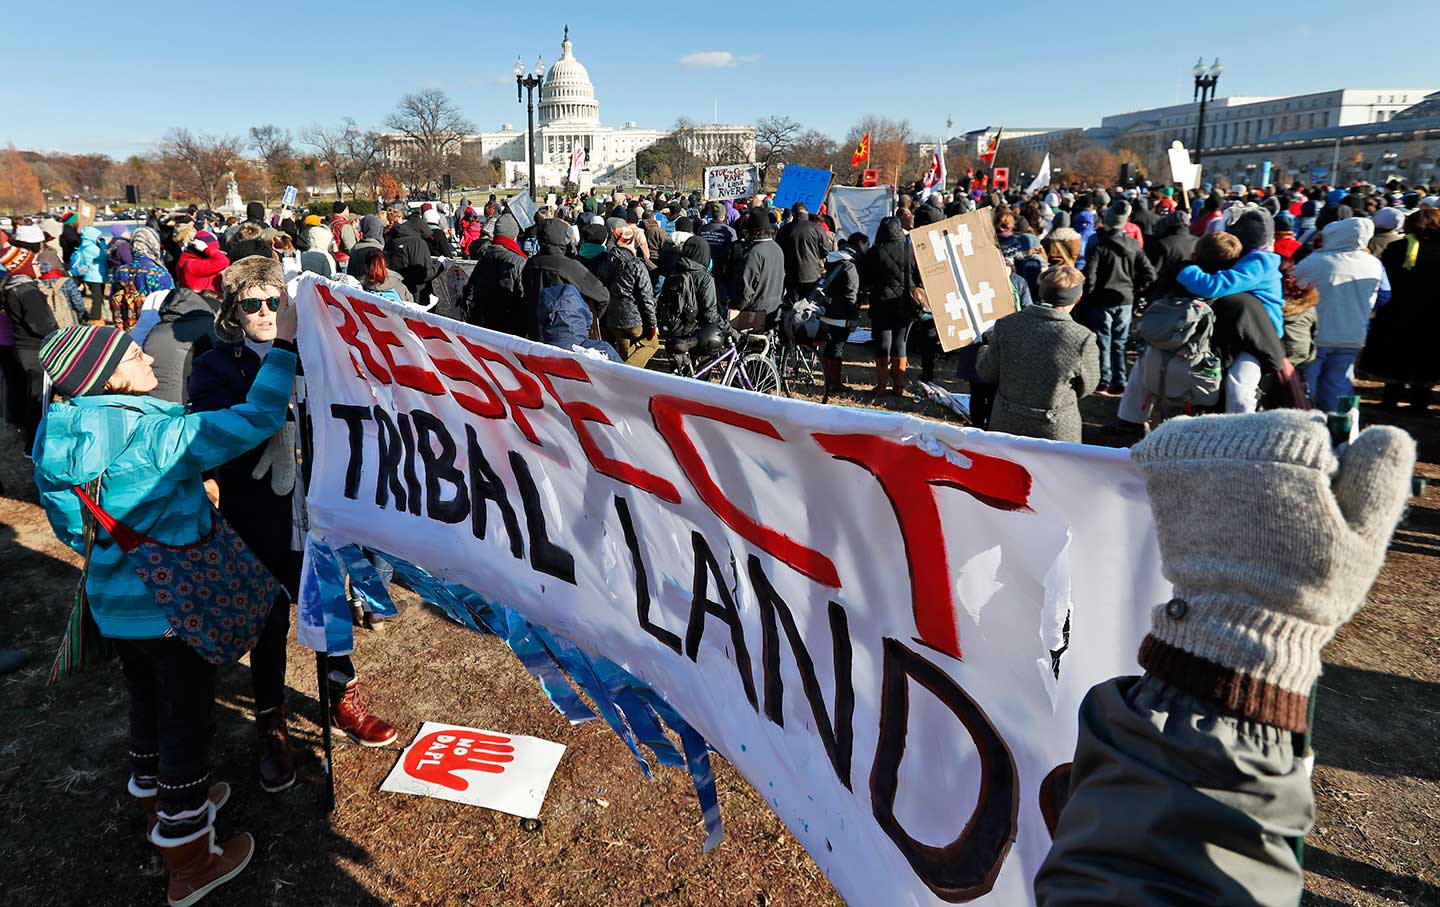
(14, 259)
(79, 360)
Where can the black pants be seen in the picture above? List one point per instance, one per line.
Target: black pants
(834, 336)
(26, 396)
(172, 698)
(267, 658)
(923, 337)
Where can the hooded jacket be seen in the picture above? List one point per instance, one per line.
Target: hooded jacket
(842, 287)
(89, 263)
(150, 457)
(551, 267)
(1116, 271)
(692, 267)
(185, 331)
(1256, 272)
(1348, 277)
(757, 276)
(632, 296)
(1169, 249)
(201, 272)
(883, 270)
(408, 254)
(493, 296)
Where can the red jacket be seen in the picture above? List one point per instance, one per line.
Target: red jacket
(201, 272)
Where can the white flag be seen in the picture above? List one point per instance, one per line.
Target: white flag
(1042, 179)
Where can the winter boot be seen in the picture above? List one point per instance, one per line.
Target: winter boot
(882, 372)
(197, 866)
(277, 763)
(219, 795)
(350, 715)
(897, 375)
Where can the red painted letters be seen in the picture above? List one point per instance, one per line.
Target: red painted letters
(908, 476)
(669, 414)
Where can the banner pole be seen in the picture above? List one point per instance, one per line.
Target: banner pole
(322, 674)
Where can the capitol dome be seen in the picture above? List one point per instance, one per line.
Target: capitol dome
(567, 95)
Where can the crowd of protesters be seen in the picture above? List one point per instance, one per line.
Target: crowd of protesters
(169, 353)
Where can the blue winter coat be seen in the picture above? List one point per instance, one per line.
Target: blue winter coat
(150, 456)
(90, 262)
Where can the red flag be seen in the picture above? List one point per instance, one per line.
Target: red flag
(988, 155)
(862, 152)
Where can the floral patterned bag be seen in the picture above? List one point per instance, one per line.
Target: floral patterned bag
(214, 590)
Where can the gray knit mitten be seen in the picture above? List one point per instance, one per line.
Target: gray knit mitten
(1271, 545)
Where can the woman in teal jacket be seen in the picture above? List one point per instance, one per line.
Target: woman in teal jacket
(90, 263)
(148, 456)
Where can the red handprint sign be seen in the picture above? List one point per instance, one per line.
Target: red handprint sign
(436, 757)
(478, 767)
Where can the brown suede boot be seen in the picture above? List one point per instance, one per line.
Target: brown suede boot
(198, 867)
(897, 376)
(882, 374)
(219, 794)
(277, 763)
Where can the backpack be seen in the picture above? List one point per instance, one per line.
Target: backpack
(1178, 368)
(341, 256)
(60, 307)
(677, 306)
(563, 316)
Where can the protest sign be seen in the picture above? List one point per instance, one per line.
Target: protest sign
(288, 199)
(522, 207)
(1182, 169)
(479, 768)
(85, 213)
(577, 157)
(802, 184)
(901, 714)
(964, 275)
(731, 181)
(859, 210)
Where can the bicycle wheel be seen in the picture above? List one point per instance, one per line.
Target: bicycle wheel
(800, 372)
(760, 374)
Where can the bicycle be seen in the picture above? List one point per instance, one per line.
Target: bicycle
(752, 371)
(801, 372)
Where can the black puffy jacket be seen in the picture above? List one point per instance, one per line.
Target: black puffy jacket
(805, 248)
(494, 296)
(632, 297)
(1116, 271)
(883, 270)
(407, 252)
(698, 307)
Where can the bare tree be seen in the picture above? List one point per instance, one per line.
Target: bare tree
(364, 156)
(203, 161)
(277, 153)
(330, 149)
(774, 137)
(434, 131)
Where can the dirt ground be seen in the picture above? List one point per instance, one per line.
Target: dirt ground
(70, 835)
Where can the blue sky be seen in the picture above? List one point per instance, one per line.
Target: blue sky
(117, 75)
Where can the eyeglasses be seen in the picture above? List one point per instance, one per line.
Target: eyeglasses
(251, 306)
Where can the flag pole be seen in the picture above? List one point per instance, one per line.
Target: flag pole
(322, 671)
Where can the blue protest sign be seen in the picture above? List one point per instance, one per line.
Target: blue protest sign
(288, 198)
(802, 184)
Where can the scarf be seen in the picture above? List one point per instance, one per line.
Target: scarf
(508, 242)
(591, 249)
(146, 244)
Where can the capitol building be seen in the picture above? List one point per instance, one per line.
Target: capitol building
(569, 116)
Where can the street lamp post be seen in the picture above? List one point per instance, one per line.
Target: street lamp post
(1204, 91)
(529, 83)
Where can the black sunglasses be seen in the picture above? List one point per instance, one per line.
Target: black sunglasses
(251, 306)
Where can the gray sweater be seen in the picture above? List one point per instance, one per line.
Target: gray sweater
(1043, 363)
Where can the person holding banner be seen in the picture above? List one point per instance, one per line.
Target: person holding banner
(146, 458)
(256, 491)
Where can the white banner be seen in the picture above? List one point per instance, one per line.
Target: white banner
(577, 157)
(859, 209)
(731, 181)
(885, 623)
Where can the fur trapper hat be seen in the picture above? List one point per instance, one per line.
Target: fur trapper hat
(244, 275)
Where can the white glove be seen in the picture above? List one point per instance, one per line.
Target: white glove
(278, 458)
(197, 245)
